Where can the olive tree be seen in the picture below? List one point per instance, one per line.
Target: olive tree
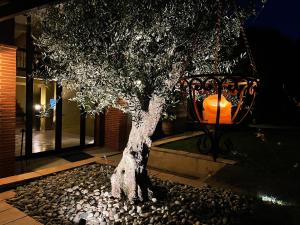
(130, 55)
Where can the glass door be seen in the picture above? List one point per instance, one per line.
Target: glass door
(43, 121)
(70, 120)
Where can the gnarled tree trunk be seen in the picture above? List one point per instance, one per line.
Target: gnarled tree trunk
(130, 177)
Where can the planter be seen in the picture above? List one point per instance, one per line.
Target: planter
(167, 127)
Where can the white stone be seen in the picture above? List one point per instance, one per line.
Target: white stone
(138, 209)
(90, 215)
(116, 205)
(116, 216)
(105, 213)
(78, 207)
(154, 200)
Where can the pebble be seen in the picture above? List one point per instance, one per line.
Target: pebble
(90, 215)
(78, 207)
(154, 200)
(116, 217)
(83, 193)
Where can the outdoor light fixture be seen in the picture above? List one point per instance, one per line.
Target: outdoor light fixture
(37, 107)
(219, 99)
(210, 108)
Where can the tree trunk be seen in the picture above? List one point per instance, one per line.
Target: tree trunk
(130, 177)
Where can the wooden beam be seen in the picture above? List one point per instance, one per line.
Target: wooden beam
(82, 127)
(12, 8)
(58, 117)
(29, 90)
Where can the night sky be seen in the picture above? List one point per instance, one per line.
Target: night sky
(281, 15)
(274, 37)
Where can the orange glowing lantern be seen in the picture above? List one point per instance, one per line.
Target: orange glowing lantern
(210, 107)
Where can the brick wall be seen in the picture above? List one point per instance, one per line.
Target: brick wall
(7, 109)
(116, 129)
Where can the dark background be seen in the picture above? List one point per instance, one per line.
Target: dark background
(274, 40)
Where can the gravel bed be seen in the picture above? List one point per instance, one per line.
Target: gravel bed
(84, 193)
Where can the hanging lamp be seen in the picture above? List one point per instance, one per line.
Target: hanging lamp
(220, 99)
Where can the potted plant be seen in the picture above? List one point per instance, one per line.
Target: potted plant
(168, 123)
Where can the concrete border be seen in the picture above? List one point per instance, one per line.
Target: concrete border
(156, 144)
(16, 179)
(184, 163)
(176, 138)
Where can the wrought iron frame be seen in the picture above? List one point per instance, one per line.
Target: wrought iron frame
(243, 87)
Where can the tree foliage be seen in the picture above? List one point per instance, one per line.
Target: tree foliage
(121, 53)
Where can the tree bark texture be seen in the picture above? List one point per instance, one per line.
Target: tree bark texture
(130, 177)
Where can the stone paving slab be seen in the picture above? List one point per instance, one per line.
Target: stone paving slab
(7, 195)
(4, 206)
(24, 221)
(43, 172)
(10, 215)
(18, 178)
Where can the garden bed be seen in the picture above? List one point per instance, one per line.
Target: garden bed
(271, 150)
(178, 155)
(267, 162)
(83, 194)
